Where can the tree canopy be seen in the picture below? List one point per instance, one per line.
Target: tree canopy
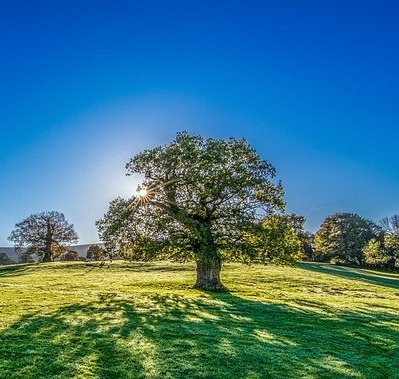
(200, 199)
(375, 254)
(96, 253)
(45, 234)
(342, 237)
(390, 225)
(279, 239)
(5, 260)
(384, 252)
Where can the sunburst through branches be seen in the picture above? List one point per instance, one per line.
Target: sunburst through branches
(145, 195)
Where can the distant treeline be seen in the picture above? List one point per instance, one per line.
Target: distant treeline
(343, 238)
(347, 238)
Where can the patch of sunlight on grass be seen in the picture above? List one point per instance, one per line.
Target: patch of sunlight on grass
(338, 367)
(206, 315)
(267, 337)
(84, 366)
(388, 324)
(194, 319)
(148, 354)
(227, 347)
(240, 318)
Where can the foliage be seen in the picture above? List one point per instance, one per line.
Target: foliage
(25, 256)
(297, 224)
(200, 199)
(279, 241)
(44, 234)
(5, 260)
(342, 237)
(375, 254)
(70, 255)
(142, 320)
(118, 230)
(390, 226)
(392, 243)
(307, 239)
(96, 253)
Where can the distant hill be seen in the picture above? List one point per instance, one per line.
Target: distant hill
(10, 252)
(80, 249)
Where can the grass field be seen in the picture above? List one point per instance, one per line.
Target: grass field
(132, 320)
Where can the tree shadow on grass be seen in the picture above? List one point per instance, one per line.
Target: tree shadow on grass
(372, 277)
(162, 266)
(214, 336)
(15, 270)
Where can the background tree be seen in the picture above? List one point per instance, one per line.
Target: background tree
(70, 255)
(45, 234)
(297, 223)
(375, 254)
(25, 256)
(307, 240)
(342, 237)
(199, 200)
(391, 245)
(279, 240)
(390, 226)
(5, 260)
(96, 253)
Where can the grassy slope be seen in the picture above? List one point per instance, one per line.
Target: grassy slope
(144, 320)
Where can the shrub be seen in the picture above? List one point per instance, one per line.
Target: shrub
(70, 255)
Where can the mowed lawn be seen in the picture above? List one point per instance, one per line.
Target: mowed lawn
(132, 320)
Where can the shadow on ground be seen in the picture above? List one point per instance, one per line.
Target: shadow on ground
(214, 336)
(87, 267)
(368, 276)
(15, 270)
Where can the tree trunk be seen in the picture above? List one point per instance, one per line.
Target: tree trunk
(47, 256)
(208, 275)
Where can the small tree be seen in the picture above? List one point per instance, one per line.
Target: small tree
(44, 234)
(342, 238)
(390, 227)
(70, 255)
(279, 240)
(199, 200)
(297, 224)
(96, 253)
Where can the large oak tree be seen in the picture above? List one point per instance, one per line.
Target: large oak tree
(45, 234)
(200, 200)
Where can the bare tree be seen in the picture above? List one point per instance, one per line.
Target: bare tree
(391, 224)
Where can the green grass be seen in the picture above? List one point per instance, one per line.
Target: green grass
(132, 320)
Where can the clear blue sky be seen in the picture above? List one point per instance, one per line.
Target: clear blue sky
(313, 85)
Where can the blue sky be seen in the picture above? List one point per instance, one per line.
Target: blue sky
(313, 85)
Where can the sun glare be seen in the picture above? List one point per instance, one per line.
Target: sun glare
(143, 192)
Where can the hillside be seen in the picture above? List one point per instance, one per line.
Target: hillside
(10, 252)
(129, 320)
